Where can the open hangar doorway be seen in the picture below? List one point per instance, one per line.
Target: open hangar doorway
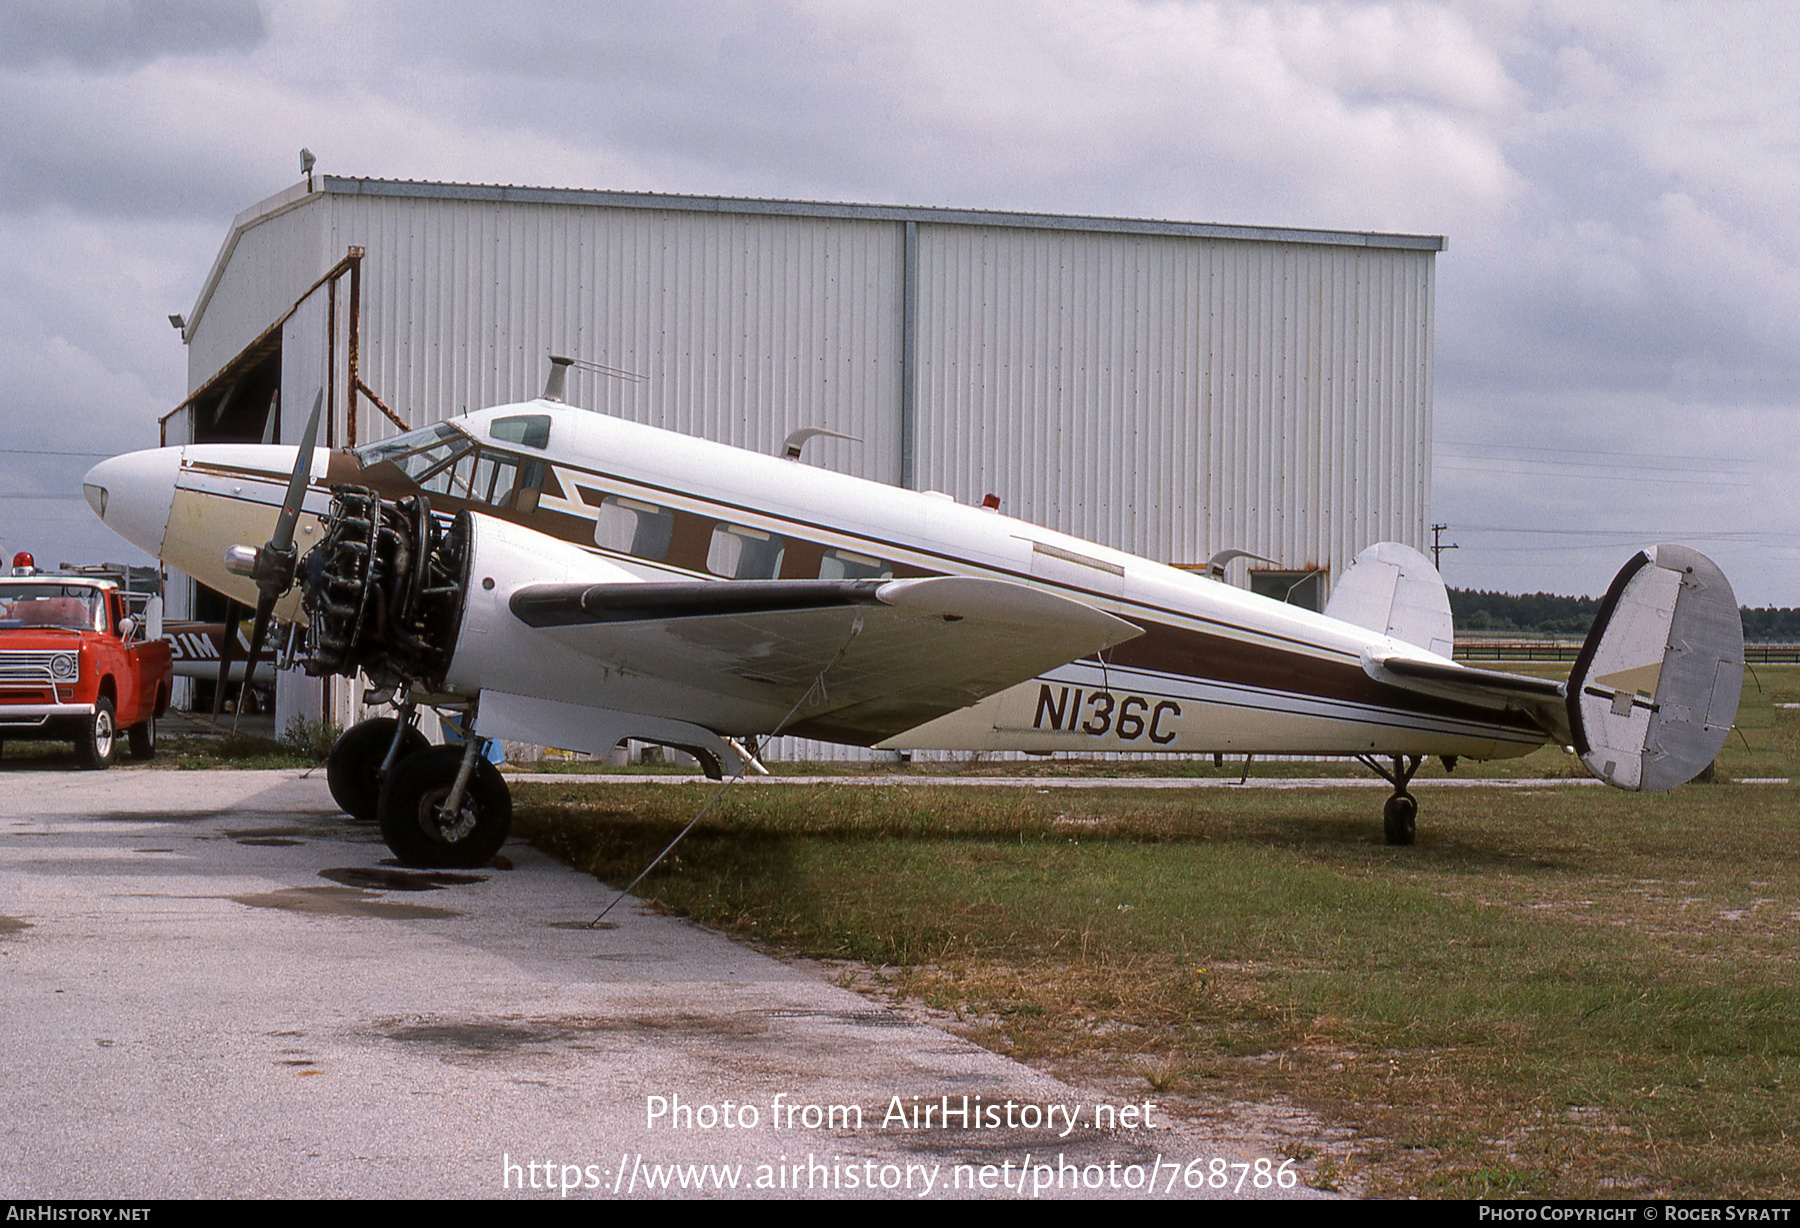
(263, 395)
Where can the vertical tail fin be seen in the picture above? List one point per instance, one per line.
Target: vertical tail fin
(1655, 689)
(1392, 589)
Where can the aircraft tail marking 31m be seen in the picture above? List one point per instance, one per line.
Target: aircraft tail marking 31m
(571, 579)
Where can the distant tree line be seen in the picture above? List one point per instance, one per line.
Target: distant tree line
(1549, 614)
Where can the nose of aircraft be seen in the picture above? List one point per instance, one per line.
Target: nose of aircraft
(133, 493)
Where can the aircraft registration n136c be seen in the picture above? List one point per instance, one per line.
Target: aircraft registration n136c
(565, 578)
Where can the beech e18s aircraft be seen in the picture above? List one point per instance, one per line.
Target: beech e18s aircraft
(571, 579)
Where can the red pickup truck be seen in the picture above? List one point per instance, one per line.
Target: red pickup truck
(76, 665)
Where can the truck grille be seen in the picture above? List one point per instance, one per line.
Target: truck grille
(26, 667)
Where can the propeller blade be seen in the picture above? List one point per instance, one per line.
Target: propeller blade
(258, 633)
(273, 565)
(296, 491)
(225, 651)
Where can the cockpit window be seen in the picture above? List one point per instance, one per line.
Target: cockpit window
(411, 441)
(445, 468)
(444, 461)
(526, 430)
(73, 607)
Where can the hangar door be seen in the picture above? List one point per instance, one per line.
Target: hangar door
(263, 395)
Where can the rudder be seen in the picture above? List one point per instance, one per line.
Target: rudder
(1655, 688)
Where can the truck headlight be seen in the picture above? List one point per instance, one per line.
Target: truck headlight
(64, 665)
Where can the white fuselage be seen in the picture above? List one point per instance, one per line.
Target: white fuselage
(1218, 669)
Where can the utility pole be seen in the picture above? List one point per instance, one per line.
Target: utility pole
(1438, 547)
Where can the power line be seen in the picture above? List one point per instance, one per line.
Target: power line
(1721, 535)
(1668, 456)
(1587, 475)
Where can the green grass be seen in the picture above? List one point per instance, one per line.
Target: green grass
(1569, 992)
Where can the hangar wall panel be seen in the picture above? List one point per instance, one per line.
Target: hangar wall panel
(745, 328)
(1175, 396)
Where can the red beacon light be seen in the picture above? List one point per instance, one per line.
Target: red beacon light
(23, 563)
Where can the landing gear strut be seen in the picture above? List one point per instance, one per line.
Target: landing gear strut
(1402, 808)
(446, 808)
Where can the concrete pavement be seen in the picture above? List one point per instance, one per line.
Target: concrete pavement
(211, 986)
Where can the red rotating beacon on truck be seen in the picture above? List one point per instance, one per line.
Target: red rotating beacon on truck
(79, 661)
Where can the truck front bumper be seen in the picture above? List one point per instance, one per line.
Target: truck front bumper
(36, 716)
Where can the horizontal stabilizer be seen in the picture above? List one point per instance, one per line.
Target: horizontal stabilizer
(1541, 699)
(1392, 589)
(1655, 689)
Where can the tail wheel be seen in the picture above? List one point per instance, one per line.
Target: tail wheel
(1397, 818)
(419, 829)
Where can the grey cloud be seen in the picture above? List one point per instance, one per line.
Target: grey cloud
(1575, 307)
(88, 148)
(121, 34)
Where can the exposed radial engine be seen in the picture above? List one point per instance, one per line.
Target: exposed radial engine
(384, 591)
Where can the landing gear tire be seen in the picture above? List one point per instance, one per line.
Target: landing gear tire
(98, 741)
(1397, 818)
(354, 769)
(140, 740)
(412, 815)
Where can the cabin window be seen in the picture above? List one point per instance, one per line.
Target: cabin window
(843, 565)
(641, 530)
(526, 430)
(740, 553)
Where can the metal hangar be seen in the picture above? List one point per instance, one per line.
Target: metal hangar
(1168, 388)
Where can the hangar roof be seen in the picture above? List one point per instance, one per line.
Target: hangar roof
(301, 194)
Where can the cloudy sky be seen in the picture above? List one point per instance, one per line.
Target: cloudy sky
(1618, 331)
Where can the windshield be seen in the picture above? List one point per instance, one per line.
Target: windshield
(441, 460)
(75, 607)
(441, 434)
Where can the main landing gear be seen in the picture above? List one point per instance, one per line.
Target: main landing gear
(364, 757)
(440, 807)
(1398, 815)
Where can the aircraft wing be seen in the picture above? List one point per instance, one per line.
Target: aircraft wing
(856, 661)
(1543, 700)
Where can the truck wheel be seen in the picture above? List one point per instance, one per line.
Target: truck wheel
(140, 739)
(95, 746)
(416, 827)
(353, 771)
